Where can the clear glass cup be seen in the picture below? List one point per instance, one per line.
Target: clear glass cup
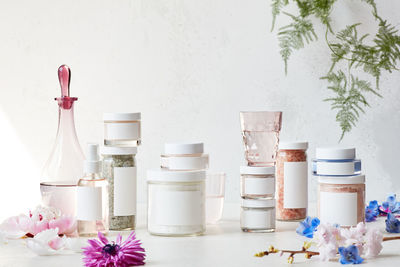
(215, 193)
(260, 131)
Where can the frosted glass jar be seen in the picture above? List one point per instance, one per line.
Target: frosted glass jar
(257, 182)
(291, 181)
(258, 215)
(176, 203)
(341, 200)
(183, 157)
(122, 129)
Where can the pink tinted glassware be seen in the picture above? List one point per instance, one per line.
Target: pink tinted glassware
(260, 132)
(64, 166)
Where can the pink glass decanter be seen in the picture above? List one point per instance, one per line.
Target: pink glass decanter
(64, 167)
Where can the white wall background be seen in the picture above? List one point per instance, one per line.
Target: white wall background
(189, 67)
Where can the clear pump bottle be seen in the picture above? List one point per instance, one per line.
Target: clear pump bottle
(64, 165)
(92, 198)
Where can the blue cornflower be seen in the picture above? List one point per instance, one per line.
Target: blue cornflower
(350, 255)
(392, 224)
(308, 227)
(390, 205)
(371, 211)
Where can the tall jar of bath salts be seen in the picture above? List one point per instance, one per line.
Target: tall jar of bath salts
(176, 203)
(119, 168)
(291, 181)
(341, 200)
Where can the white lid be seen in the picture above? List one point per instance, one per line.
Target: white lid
(257, 170)
(258, 203)
(355, 179)
(335, 168)
(335, 153)
(185, 163)
(293, 145)
(182, 148)
(92, 163)
(175, 176)
(115, 150)
(121, 116)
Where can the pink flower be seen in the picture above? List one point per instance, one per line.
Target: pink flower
(354, 236)
(328, 240)
(373, 243)
(47, 242)
(42, 218)
(118, 253)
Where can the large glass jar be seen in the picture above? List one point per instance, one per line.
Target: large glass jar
(341, 200)
(176, 203)
(291, 181)
(119, 168)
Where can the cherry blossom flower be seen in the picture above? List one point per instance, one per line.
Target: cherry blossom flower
(373, 243)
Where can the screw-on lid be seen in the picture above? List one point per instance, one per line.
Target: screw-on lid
(114, 150)
(175, 176)
(92, 163)
(293, 145)
(258, 203)
(257, 170)
(121, 116)
(354, 179)
(183, 148)
(335, 153)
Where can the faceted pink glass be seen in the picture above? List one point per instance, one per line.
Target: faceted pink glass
(260, 132)
(64, 166)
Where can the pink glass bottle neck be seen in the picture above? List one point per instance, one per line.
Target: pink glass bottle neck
(66, 123)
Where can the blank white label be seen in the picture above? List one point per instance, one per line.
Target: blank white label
(340, 208)
(124, 191)
(295, 185)
(89, 203)
(124, 131)
(170, 207)
(258, 219)
(335, 168)
(259, 186)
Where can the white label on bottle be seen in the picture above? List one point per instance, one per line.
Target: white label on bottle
(89, 203)
(258, 219)
(335, 168)
(171, 207)
(122, 131)
(259, 186)
(295, 185)
(340, 208)
(124, 191)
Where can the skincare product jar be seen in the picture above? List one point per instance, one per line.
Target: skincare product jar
(341, 200)
(291, 181)
(176, 203)
(257, 182)
(336, 161)
(184, 157)
(258, 215)
(122, 129)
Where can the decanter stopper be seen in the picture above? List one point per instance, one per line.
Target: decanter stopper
(64, 76)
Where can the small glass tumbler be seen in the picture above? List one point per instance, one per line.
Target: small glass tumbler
(260, 131)
(215, 193)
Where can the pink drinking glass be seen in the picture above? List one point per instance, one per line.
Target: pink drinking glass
(260, 132)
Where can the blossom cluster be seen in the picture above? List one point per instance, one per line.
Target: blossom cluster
(373, 210)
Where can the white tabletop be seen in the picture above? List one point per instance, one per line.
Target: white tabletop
(224, 244)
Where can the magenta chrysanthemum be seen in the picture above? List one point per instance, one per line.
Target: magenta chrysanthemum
(115, 254)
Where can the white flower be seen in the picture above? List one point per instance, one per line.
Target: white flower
(328, 240)
(47, 242)
(373, 243)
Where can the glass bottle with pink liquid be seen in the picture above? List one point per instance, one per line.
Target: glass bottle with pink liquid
(64, 166)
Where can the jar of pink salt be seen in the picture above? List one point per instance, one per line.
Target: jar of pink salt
(341, 200)
(291, 181)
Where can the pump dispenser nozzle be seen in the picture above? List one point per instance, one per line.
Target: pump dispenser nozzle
(92, 162)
